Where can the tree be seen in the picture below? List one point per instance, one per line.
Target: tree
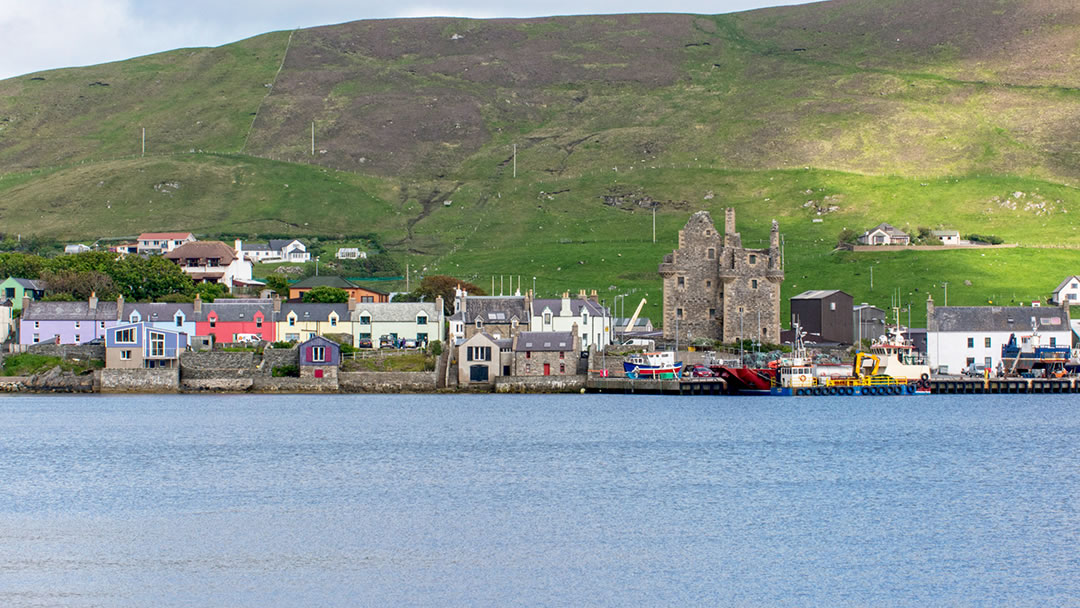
(847, 236)
(208, 292)
(437, 285)
(326, 295)
(279, 284)
(79, 284)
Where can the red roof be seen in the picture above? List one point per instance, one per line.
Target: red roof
(165, 235)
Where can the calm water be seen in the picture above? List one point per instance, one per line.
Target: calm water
(539, 501)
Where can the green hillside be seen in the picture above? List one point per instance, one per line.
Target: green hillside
(850, 112)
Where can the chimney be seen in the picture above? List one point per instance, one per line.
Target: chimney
(931, 322)
(197, 305)
(239, 248)
(565, 310)
(581, 294)
(575, 338)
(595, 297)
(277, 303)
(25, 302)
(119, 307)
(439, 310)
(731, 237)
(93, 301)
(528, 305)
(352, 303)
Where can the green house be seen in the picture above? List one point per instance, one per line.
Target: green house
(14, 289)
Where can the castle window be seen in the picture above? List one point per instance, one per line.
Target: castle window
(753, 283)
(712, 253)
(682, 282)
(708, 283)
(678, 313)
(753, 259)
(712, 313)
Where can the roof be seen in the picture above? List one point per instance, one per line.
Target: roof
(69, 311)
(159, 311)
(397, 311)
(888, 228)
(31, 284)
(641, 321)
(168, 236)
(997, 318)
(254, 247)
(493, 309)
(279, 244)
(545, 341)
(234, 311)
(203, 250)
(314, 311)
(945, 232)
(1060, 286)
(576, 304)
(818, 294)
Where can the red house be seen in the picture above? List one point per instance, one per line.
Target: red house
(239, 320)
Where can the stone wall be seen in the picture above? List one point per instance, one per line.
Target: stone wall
(232, 385)
(278, 357)
(539, 384)
(69, 351)
(294, 385)
(387, 382)
(217, 359)
(138, 380)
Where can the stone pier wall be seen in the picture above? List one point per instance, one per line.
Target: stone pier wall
(140, 380)
(387, 382)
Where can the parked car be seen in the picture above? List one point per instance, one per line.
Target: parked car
(364, 343)
(975, 371)
(699, 371)
(387, 342)
(408, 343)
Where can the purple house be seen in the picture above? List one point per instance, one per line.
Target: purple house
(68, 322)
(319, 358)
(142, 345)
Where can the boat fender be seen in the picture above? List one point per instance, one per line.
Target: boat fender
(802, 378)
(832, 390)
(925, 377)
(896, 389)
(850, 390)
(910, 389)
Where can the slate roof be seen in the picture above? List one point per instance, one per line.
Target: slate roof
(233, 311)
(997, 318)
(493, 309)
(168, 236)
(545, 341)
(405, 312)
(324, 280)
(254, 247)
(69, 311)
(314, 311)
(279, 244)
(576, 304)
(31, 284)
(888, 229)
(818, 294)
(159, 311)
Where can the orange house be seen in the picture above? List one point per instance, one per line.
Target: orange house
(358, 293)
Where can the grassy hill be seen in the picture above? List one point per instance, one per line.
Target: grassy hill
(886, 110)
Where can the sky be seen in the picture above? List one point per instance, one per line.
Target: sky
(40, 35)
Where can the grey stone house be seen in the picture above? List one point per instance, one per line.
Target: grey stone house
(547, 353)
(716, 288)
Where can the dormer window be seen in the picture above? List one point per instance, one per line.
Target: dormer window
(134, 318)
(421, 319)
(292, 320)
(547, 318)
(179, 320)
(333, 320)
(479, 324)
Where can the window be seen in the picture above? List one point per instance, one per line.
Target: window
(157, 344)
(1053, 341)
(125, 336)
(753, 283)
(78, 338)
(708, 283)
(258, 322)
(77, 324)
(832, 305)
(179, 321)
(367, 299)
(986, 342)
(712, 253)
(988, 362)
(292, 321)
(562, 354)
(37, 324)
(479, 324)
(584, 318)
(421, 338)
(753, 259)
(528, 354)
(213, 321)
(971, 342)
(333, 322)
(678, 313)
(318, 354)
(478, 353)
(547, 318)
(125, 355)
(365, 320)
(1072, 296)
(421, 320)
(102, 325)
(682, 281)
(562, 368)
(712, 313)
(37, 338)
(970, 361)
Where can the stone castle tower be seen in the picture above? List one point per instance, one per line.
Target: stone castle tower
(711, 282)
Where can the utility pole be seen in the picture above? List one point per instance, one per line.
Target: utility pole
(313, 138)
(654, 223)
(144, 141)
(407, 290)
(946, 284)
(515, 160)
(871, 278)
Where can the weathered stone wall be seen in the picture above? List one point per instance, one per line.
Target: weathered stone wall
(386, 382)
(294, 385)
(539, 384)
(692, 287)
(567, 365)
(233, 385)
(138, 380)
(217, 359)
(69, 351)
(278, 357)
(197, 373)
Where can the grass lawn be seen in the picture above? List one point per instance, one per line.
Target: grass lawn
(28, 364)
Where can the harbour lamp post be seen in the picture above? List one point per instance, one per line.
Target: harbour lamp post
(316, 265)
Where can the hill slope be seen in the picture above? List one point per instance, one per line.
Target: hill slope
(895, 111)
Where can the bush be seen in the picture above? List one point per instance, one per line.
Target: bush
(436, 348)
(282, 345)
(286, 371)
(985, 238)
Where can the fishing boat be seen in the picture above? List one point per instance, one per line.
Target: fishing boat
(1028, 357)
(653, 366)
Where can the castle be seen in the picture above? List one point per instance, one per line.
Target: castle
(715, 288)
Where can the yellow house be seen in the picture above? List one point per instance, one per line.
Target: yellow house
(301, 321)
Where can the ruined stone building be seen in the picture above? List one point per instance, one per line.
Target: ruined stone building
(715, 288)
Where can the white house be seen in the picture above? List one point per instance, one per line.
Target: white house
(959, 336)
(594, 322)
(420, 321)
(350, 253)
(213, 262)
(76, 248)
(162, 242)
(884, 234)
(948, 237)
(276, 250)
(1067, 291)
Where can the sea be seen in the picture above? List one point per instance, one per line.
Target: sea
(538, 500)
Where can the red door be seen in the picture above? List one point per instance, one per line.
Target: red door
(547, 369)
